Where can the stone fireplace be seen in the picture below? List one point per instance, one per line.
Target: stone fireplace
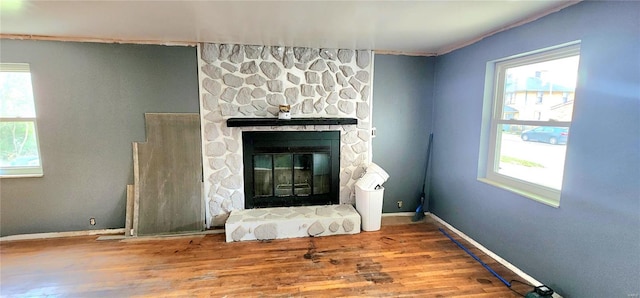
(251, 81)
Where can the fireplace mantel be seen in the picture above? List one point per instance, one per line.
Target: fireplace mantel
(246, 122)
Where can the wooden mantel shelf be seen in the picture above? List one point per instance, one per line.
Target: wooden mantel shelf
(245, 122)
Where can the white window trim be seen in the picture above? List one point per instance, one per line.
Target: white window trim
(492, 121)
(21, 172)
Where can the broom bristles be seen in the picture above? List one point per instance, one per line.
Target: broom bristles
(419, 212)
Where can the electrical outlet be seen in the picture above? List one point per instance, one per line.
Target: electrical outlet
(92, 221)
(399, 204)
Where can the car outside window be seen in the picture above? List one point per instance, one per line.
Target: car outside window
(526, 134)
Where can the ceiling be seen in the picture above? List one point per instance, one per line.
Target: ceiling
(404, 27)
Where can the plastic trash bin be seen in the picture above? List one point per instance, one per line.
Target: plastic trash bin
(369, 205)
(369, 196)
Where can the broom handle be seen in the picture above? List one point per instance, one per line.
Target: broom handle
(426, 168)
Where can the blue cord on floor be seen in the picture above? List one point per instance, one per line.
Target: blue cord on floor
(476, 258)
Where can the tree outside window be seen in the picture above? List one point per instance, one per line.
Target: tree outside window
(19, 150)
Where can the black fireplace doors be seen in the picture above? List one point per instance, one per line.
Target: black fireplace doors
(291, 168)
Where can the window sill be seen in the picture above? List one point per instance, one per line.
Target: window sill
(22, 176)
(25, 172)
(536, 197)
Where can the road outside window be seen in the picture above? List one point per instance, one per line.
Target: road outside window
(533, 99)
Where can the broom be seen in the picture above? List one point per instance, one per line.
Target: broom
(421, 203)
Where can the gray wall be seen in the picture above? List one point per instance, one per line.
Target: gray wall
(590, 246)
(90, 100)
(402, 103)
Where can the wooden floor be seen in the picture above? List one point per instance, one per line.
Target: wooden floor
(400, 260)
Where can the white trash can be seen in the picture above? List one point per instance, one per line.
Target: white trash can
(369, 205)
(369, 194)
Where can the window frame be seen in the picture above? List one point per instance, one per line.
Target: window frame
(494, 101)
(23, 171)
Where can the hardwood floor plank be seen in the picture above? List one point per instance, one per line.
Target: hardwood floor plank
(401, 261)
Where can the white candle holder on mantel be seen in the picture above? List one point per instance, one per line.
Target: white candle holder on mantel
(285, 112)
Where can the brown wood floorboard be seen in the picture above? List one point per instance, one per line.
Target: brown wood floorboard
(402, 260)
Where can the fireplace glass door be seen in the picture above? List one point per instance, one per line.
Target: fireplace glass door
(291, 174)
(290, 168)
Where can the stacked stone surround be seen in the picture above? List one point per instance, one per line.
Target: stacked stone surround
(252, 81)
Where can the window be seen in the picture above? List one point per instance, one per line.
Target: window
(537, 115)
(539, 97)
(19, 149)
(525, 154)
(510, 98)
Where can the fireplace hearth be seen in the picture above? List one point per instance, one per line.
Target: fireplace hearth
(291, 168)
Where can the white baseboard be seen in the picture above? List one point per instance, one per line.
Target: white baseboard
(62, 234)
(398, 214)
(491, 254)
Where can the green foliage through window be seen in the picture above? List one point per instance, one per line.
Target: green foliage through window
(19, 151)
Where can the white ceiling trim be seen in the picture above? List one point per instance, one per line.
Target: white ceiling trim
(452, 48)
(97, 40)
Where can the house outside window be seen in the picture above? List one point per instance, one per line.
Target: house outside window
(529, 161)
(510, 98)
(539, 96)
(19, 148)
(537, 115)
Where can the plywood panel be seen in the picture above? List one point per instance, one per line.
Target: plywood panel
(128, 222)
(168, 176)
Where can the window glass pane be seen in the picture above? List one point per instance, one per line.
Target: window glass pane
(19, 153)
(303, 165)
(527, 135)
(321, 173)
(262, 175)
(283, 174)
(533, 154)
(16, 95)
(18, 145)
(542, 91)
